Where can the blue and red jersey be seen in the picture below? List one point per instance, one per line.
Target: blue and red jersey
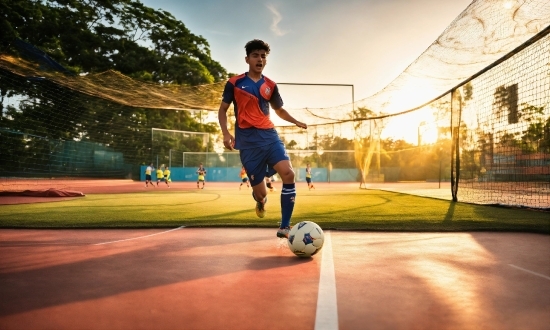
(251, 101)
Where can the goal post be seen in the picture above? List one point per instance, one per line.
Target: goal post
(168, 145)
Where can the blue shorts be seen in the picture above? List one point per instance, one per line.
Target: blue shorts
(259, 162)
(308, 180)
(147, 177)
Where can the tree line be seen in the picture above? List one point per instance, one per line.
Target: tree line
(83, 37)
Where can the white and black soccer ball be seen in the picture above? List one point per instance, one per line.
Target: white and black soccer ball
(306, 239)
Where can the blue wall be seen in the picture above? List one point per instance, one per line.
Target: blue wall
(230, 174)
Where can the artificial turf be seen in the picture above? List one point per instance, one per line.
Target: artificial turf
(373, 210)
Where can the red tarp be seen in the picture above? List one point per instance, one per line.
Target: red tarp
(52, 192)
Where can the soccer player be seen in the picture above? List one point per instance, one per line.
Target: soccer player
(268, 181)
(244, 178)
(167, 176)
(255, 137)
(148, 172)
(160, 175)
(308, 177)
(202, 173)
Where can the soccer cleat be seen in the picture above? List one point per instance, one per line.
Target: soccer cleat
(260, 207)
(283, 232)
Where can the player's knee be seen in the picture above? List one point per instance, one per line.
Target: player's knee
(287, 175)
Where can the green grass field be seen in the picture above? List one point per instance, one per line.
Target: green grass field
(361, 209)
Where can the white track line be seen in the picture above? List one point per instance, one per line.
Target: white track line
(530, 272)
(327, 309)
(129, 239)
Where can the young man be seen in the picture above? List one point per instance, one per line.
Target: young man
(261, 150)
(308, 177)
(148, 172)
(167, 176)
(244, 178)
(160, 175)
(268, 183)
(201, 171)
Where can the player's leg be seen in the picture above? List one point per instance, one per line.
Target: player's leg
(283, 167)
(259, 193)
(255, 165)
(308, 180)
(288, 195)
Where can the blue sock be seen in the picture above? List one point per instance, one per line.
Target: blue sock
(288, 195)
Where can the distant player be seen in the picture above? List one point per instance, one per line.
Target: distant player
(167, 176)
(148, 172)
(244, 178)
(201, 171)
(308, 177)
(160, 175)
(269, 183)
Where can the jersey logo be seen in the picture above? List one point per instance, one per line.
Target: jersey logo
(267, 90)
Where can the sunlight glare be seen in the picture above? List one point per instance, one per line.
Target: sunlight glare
(452, 282)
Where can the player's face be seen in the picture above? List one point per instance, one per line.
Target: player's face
(257, 61)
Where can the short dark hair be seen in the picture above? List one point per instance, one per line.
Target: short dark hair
(256, 44)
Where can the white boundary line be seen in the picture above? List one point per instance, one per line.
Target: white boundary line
(327, 308)
(530, 272)
(129, 239)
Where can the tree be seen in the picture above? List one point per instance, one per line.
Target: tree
(90, 36)
(98, 35)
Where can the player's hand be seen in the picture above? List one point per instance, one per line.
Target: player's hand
(301, 125)
(229, 141)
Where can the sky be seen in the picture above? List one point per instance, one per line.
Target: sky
(364, 43)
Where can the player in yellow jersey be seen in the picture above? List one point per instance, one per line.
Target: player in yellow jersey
(160, 175)
(269, 183)
(201, 171)
(308, 177)
(244, 178)
(167, 176)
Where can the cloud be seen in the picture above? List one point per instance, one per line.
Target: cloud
(277, 18)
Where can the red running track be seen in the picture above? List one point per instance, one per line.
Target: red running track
(220, 278)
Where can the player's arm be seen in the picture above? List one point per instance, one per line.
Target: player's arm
(276, 103)
(227, 98)
(283, 114)
(228, 139)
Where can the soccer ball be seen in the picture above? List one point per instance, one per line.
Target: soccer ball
(306, 239)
